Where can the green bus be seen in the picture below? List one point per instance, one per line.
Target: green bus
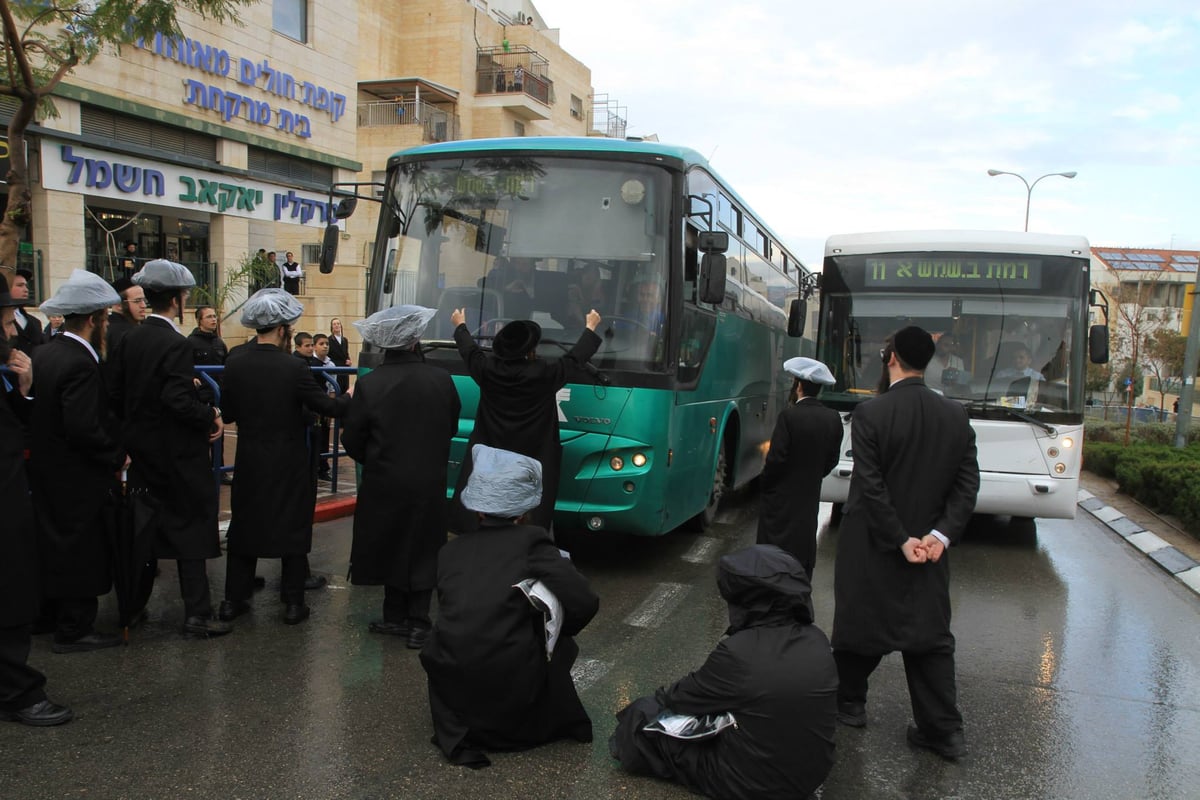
(701, 303)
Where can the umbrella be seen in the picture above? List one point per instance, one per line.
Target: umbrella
(131, 524)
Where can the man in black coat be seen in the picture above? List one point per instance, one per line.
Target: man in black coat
(22, 696)
(773, 673)
(168, 431)
(29, 329)
(209, 349)
(131, 311)
(804, 448)
(271, 396)
(401, 420)
(912, 493)
(497, 679)
(75, 443)
(517, 408)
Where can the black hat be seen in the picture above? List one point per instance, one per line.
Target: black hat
(121, 284)
(516, 339)
(914, 346)
(25, 272)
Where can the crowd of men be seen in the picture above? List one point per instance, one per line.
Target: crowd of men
(114, 395)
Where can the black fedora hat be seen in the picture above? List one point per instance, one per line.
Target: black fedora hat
(516, 339)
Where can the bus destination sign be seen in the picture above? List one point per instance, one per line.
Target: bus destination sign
(948, 273)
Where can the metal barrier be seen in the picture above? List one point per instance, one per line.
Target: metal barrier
(1141, 415)
(206, 373)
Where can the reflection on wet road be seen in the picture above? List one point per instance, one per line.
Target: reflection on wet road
(1079, 677)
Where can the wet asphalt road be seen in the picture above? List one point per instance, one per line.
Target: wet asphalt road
(1078, 664)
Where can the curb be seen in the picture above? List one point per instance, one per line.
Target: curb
(1169, 558)
(344, 507)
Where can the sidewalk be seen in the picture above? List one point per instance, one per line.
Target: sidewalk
(1160, 537)
(330, 505)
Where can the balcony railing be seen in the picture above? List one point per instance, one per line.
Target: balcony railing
(517, 70)
(437, 125)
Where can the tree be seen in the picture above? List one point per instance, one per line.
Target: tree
(1164, 356)
(44, 40)
(1137, 321)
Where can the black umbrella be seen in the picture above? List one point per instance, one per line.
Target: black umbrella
(131, 527)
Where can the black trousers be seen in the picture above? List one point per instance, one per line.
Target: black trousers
(400, 605)
(20, 684)
(193, 587)
(74, 618)
(931, 686)
(239, 578)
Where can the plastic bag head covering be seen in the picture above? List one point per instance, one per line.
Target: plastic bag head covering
(809, 369)
(395, 328)
(83, 293)
(163, 274)
(502, 483)
(270, 308)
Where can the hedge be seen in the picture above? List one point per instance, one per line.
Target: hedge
(1162, 477)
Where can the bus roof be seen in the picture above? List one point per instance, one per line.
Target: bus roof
(564, 144)
(1049, 244)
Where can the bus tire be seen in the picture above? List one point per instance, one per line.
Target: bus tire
(704, 520)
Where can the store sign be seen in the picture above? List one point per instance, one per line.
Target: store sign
(96, 173)
(231, 103)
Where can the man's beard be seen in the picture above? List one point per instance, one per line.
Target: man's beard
(97, 340)
(885, 381)
(6, 348)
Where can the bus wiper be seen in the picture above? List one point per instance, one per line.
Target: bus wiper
(983, 405)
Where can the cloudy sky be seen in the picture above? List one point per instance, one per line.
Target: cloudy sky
(877, 115)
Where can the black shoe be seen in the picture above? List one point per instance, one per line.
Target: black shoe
(232, 609)
(259, 582)
(42, 626)
(852, 714)
(950, 747)
(324, 476)
(314, 582)
(93, 641)
(42, 715)
(417, 637)
(205, 628)
(295, 613)
(392, 628)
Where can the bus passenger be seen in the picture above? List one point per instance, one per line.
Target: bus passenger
(1022, 361)
(496, 680)
(945, 359)
(516, 402)
(585, 291)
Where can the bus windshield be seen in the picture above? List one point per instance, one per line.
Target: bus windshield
(545, 238)
(1008, 327)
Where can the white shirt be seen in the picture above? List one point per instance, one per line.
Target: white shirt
(291, 270)
(84, 342)
(168, 320)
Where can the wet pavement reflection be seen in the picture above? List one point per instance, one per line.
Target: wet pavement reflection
(1078, 666)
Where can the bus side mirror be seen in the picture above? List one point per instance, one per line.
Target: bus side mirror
(712, 278)
(329, 246)
(712, 241)
(796, 315)
(345, 207)
(1098, 344)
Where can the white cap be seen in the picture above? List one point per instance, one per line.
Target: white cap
(395, 328)
(809, 369)
(83, 293)
(268, 308)
(502, 483)
(163, 274)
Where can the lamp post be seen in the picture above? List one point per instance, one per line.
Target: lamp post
(1029, 186)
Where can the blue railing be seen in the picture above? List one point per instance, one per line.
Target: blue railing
(329, 374)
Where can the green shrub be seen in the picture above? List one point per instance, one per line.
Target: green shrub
(1164, 478)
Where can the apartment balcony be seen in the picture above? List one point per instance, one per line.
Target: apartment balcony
(516, 79)
(410, 102)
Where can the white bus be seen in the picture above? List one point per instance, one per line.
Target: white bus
(1009, 312)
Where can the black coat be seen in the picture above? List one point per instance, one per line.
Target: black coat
(75, 453)
(773, 672)
(272, 397)
(30, 336)
(398, 428)
(19, 585)
(517, 411)
(339, 354)
(804, 448)
(914, 471)
(165, 428)
(208, 349)
(490, 685)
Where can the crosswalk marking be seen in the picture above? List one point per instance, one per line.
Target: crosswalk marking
(655, 608)
(702, 551)
(587, 671)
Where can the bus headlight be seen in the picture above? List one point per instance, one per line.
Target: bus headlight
(1068, 442)
(617, 463)
(639, 459)
(1060, 468)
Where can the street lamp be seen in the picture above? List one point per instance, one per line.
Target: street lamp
(1029, 186)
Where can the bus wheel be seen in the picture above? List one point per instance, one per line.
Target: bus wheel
(702, 521)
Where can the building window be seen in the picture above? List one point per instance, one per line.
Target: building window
(101, 126)
(518, 128)
(289, 169)
(310, 253)
(576, 107)
(290, 17)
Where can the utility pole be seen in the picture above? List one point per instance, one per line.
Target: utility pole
(1191, 359)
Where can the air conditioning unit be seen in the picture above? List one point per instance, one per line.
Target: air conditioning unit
(520, 17)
